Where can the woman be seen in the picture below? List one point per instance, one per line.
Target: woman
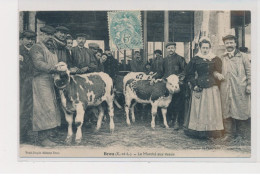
(203, 74)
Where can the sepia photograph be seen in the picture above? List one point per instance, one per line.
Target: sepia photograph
(134, 84)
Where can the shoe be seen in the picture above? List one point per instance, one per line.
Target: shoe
(48, 143)
(176, 126)
(228, 138)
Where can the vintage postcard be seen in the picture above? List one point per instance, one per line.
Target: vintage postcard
(135, 84)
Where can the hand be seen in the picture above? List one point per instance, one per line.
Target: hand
(61, 66)
(84, 70)
(248, 89)
(197, 89)
(219, 76)
(20, 58)
(152, 82)
(74, 69)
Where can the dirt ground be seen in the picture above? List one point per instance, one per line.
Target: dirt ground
(140, 135)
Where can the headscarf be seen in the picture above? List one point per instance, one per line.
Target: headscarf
(208, 56)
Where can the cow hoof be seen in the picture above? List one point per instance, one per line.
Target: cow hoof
(167, 127)
(128, 124)
(77, 141)
(68, 140)
(153, 128)
(112, 131)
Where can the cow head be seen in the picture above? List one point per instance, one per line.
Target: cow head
(172, 83)
(61, 80)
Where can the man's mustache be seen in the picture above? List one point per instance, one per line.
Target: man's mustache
(230, 47)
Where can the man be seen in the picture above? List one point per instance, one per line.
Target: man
(235, 90)
(94, 48)
(63, 54)
(69, 43)
(110, 65)
(26, 75)
(156, 64)
(83, 60)
(174, 64)
(46, 114)
(60, 36)
(137, 64)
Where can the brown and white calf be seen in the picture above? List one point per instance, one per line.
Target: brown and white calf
(82, 91)
(138, 87)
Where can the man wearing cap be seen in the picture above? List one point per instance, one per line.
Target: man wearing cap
(94, 48)
(46, 114)
(82, 58)
(111, 65)
(26, 75)
(235, 90)
(175, 64)
(137, 64)
(156, 64)
(60, 36)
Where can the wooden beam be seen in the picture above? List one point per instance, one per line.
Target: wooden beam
(145, 37)
(243, 29)
(166, 29)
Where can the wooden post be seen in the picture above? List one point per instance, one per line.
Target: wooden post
(153, 49)
(124, 60)
(166, 30)
(145, 37)
(243, 30)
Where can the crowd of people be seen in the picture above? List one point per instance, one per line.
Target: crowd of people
(214, 96)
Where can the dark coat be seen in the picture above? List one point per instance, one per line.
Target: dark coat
(111, 66)
(173, 64)
(83, 57)
(138, 66)
(26, 94)
(157, 67)
(62, 52)
(204, 69)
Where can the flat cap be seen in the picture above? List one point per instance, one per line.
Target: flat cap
(229, 37)
(62, 29)
(170, 44)
(48, 29)
(28, 34)
(93, 45)
(158, 51)
(81, 35)
(69, 37)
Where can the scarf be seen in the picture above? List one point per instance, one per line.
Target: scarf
(230, 54)
(208, 56)
(58, 43)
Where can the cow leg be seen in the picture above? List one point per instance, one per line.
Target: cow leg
(133, 111)
(154, 112)
(164, 112)
(111, 115)
(79, 121)
(100, 116)
(69, 119)
(127, 106)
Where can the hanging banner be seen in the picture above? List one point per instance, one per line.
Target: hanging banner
(125, 30)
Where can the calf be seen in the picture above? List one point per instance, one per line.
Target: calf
(138, 87)
(81, 91)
